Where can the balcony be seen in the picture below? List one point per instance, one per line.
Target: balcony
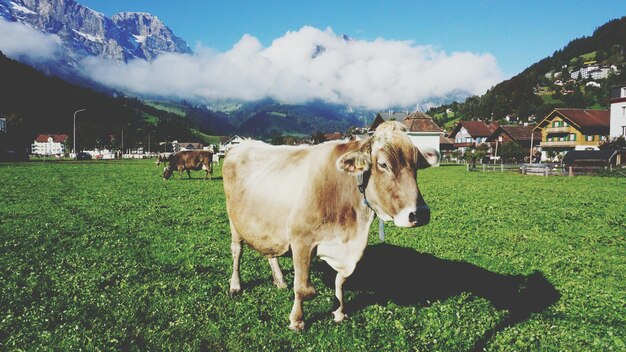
(563, 129)
(563, 144)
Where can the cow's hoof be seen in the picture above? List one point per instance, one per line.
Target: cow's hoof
(339, 316)
(280, 284)
(234, 291)
(297, 326)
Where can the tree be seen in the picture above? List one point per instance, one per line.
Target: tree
(512, 152)
(617, 143)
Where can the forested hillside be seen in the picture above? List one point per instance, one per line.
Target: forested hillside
(548, 83)
(34, 103)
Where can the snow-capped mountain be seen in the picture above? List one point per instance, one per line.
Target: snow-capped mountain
(84, 32)
(150, 33)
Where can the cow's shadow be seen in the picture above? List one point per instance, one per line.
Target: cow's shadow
(407, 277)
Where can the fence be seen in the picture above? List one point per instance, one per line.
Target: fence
(540, 169)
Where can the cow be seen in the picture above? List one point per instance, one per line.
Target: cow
(321, 199)
(189, 160)
(162, 158)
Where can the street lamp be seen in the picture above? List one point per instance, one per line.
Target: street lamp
(74, 138)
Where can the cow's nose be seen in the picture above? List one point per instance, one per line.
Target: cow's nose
(421, 216)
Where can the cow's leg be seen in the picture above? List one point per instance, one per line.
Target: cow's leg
(180, 172)
(188, 174)
(235, 249)
(208, 170)
(338, 313)
(276, 273)
(302, 287)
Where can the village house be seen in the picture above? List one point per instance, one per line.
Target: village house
(228, 142)
(49, 144)
(182, 146)
(520, 134)
(618, 111)
(421, 129)
(468, 135)
(568, 129)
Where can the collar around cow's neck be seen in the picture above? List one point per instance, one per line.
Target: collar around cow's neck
(362, 180)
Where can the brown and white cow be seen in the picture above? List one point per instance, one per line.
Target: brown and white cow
(189, 160)
(321, 197)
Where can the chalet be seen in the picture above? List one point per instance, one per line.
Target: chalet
(188, 146)
(522, 135)
(567, 129)
(618, 111)
(387, 116)
(228, 142)
(470, 134)
(421, 129)
(49, 144)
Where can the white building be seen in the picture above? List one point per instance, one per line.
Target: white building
(421, 129)
(49, 144)
(229, 143)
(594, 72)
(618, 111)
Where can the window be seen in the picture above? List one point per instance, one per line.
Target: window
(624, 131)
(572, 137)
(589, 138)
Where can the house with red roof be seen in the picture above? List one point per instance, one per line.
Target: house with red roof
(420, 128)
(467, 135)
(563, 130)
(520, 134)
(49, 144)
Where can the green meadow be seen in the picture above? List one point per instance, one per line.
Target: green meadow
(106, 255)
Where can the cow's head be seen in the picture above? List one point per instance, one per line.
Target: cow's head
(167, 172)
(388, 163)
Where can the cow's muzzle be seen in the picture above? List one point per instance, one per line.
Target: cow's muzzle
(421, 216)
(413, 216)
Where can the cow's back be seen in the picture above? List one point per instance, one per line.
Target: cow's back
(266, 187)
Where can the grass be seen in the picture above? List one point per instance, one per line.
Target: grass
(105, 255)
(206, 138)
(167, 106)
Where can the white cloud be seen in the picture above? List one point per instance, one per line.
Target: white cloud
(305, 65)
(18, 40)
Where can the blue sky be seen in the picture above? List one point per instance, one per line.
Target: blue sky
(516, 33)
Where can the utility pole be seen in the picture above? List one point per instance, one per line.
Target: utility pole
(74, 138)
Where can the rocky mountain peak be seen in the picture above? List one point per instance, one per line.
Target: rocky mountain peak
(84, 32)
(150, 33)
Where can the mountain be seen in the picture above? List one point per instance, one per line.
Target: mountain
(34, 103)
(152, 35)
(85, 33)
(553, 82)
(267, 117)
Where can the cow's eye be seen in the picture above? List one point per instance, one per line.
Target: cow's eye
(383, 165)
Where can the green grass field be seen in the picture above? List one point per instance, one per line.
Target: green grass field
(107, 256)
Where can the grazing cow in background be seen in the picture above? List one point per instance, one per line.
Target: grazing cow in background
(162, 158)
(322, 197)
(189, 160)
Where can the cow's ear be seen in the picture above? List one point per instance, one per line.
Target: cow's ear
(354, 162)
(427, 157)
